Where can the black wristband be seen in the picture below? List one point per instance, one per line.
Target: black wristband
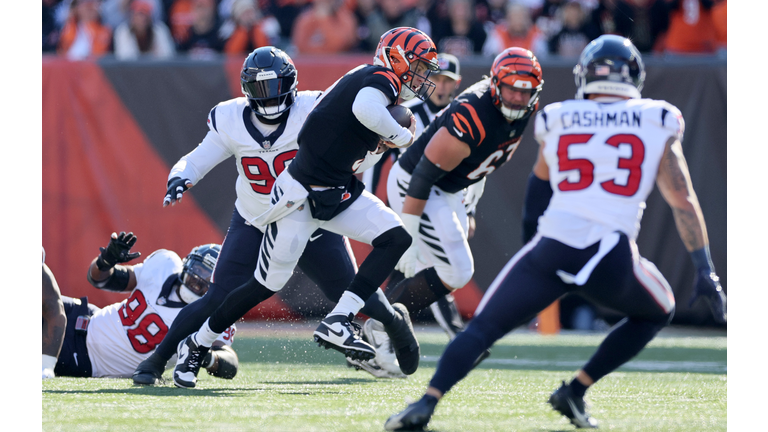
(424, 176)
(103, 265)
(702, 260)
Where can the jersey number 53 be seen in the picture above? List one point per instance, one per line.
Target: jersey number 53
(586, 169)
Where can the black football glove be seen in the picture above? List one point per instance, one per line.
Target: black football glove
(706, 285)
(117, 251)
(176, 188)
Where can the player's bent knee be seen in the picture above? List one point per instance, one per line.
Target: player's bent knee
(454, 280)
(395, 239)
(225, 363)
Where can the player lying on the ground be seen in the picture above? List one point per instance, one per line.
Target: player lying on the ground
(112, 341)
(598, 159)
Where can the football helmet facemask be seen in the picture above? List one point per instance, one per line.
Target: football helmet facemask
(610, 65)
(517, 68)
(268, 79)
(403, 50)
(197, 270)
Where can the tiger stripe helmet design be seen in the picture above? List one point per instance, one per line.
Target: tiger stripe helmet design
(517, 68)
(401, 50)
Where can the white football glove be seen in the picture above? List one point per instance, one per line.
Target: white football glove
(407, 263)
(49, 363)
(472, 194)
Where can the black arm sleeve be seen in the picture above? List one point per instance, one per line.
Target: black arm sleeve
(228, 362)
(538, 192)
(424, 176)
(117, 282)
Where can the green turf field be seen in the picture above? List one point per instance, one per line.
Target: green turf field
(287, 383)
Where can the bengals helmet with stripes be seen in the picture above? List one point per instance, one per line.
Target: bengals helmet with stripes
(517, 68)
(400, 50)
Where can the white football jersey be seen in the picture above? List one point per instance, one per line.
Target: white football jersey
(259, 159)
(603, 160)
(122, 335)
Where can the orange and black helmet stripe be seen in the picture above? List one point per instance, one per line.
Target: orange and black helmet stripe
(410, 40)
(517, 61)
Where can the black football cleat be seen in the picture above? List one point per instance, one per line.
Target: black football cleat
(403, 338)
(413, 418)
(566, 403)
(149, 372)
(339, 333)
(190, 357)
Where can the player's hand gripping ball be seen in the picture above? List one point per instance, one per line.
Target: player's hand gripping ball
(401, 114)
(404, 117)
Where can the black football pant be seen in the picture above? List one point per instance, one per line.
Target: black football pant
(622, 281)
(326, 261)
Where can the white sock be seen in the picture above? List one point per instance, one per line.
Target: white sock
(349, 303)
(205, 336)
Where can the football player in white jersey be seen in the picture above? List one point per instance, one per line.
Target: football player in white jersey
(598, 160)
(261, 131)
(112, 341)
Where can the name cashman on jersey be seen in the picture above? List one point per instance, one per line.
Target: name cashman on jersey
(571, 119)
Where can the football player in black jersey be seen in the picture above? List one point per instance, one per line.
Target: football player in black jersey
(319, 190)
(470, 139)
(260, 131)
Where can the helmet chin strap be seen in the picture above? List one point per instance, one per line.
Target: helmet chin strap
(280, 110)
(186, 294)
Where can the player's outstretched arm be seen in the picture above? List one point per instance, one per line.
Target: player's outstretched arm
(538, 193)
(105, 273)
(674, 182)
(54, 322)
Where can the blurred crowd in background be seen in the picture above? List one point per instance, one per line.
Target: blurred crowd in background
(131, 29)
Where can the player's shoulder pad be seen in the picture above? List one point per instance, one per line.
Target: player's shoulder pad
(220, 115)
(162, 258)
(547, 119)
(465, 122)
(383, 79)
(306, 99)
(662, 114)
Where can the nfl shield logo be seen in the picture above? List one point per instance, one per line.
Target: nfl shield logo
(266, 144)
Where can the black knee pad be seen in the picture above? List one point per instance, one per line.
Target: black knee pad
(395, 238)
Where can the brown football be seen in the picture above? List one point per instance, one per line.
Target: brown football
(401, 114)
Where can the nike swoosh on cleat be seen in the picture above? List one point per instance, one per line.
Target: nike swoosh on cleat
(581, 419)
(337, 333)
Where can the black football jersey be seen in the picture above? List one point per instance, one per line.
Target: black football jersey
(473, 119)
(333, 142)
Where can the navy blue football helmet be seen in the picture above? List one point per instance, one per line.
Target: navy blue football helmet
(610, 65)
(197, 270)
(268, 79)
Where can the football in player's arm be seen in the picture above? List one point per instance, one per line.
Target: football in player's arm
(272, 104)
(466, 142)
(586, 235)
(111, 341)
